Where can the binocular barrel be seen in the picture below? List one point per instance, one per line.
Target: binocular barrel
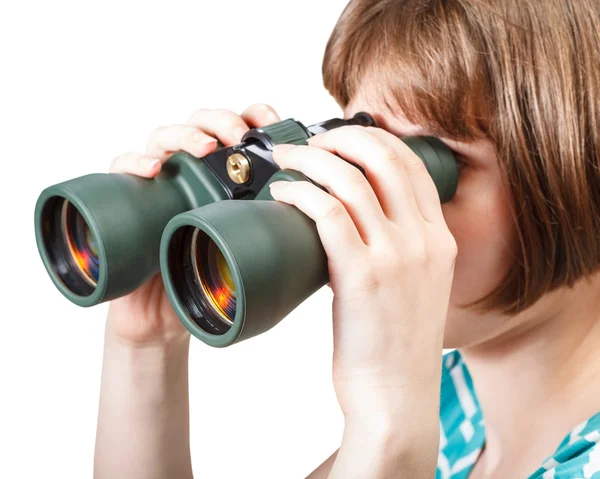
(233, 260)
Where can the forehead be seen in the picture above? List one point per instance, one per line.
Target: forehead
(391, 119)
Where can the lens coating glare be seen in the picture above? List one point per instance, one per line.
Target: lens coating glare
(80, 242)
(214, 276)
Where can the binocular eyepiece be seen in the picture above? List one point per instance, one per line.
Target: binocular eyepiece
(234, 261)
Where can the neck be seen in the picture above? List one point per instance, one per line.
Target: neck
(542, 376)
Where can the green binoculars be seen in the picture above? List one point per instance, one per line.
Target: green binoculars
(232, 268)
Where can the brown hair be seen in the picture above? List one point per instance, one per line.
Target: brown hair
(526, 74)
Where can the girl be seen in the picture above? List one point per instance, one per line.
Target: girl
(507, 272)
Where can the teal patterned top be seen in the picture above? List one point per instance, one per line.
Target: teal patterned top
(462, 433)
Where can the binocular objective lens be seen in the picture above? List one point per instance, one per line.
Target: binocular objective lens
(213, 276)
(202, 280)
(81, 243)
(70, 246)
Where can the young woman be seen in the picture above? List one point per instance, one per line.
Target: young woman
(507, 272)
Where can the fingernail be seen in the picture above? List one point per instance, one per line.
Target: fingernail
(282, 148)
(151, 163)
(203, 139)
(277, 185)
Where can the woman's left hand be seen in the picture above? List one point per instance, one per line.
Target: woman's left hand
(391, 263)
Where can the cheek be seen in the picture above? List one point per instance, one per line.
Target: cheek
(480, 219)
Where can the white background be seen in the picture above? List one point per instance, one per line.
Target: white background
(82, 82)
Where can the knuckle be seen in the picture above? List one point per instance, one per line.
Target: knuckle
(348, 129)
(355, 178)
(416, 253)
(261, 107)
(333, 210)
(389, 155)
(199, 113)
(186, 134)
(157, 132)
(339, 134)
(447, 248)
(413, 162)
(119, 158)
(304, 185)
(227, 114)
(229, 119)
(113, 165)
(431, 254)
(118, 162)
(115, 161)
(369, 276)
(298, 187)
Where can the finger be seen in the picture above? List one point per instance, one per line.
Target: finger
(424, 189)
(342, 180)
(166, 140)
(136, 164)
(259, 115)
(383, 167)
(225, 125)
(339, 236)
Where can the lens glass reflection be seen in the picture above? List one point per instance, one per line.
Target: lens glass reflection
(214, 276)
(80, 242)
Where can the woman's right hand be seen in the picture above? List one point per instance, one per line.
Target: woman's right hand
(146, 316)
(143, 414)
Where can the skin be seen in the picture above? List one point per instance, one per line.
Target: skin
(546, 356)
(390, 244)
(396, 248)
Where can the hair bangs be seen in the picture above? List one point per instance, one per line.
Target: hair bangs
(421, 62)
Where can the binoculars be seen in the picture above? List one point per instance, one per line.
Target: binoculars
(234, 261)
